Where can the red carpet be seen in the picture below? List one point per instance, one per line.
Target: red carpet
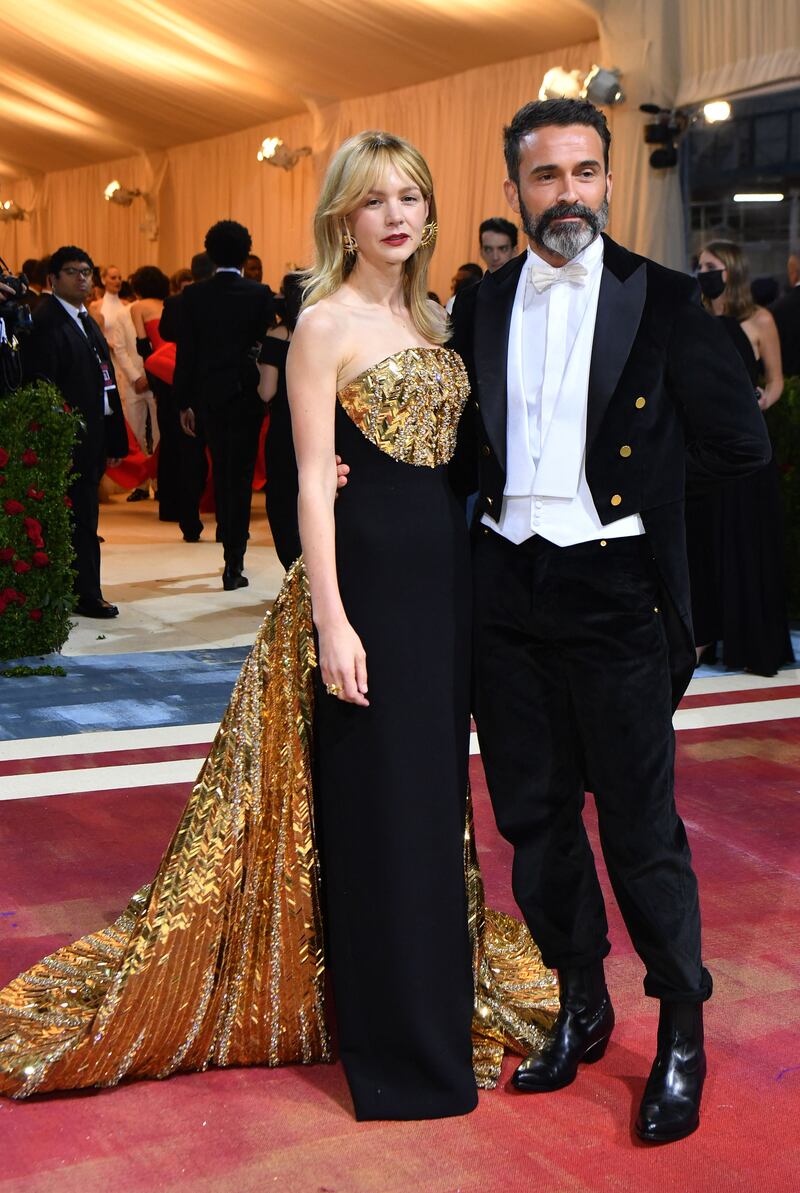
(68, 864)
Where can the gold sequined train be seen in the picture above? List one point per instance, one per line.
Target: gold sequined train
(220, 960)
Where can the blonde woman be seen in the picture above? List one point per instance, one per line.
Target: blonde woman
(735, 536)
(220, 960)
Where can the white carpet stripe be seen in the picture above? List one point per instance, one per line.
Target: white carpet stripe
(711, 685)
(99, 778)
(102, 741)
(737, 714)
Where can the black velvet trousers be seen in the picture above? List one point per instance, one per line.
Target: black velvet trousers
(572, 693)
(232, 433)
(85, 543)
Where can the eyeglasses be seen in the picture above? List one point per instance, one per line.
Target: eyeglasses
(71, 272)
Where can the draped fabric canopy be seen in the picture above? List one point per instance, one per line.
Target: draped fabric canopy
(96, 80)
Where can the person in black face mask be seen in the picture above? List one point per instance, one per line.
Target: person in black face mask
(735, 535)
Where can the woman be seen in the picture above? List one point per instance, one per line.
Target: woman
(220, 961)
(151, 286)
(735, 536)
(280, 465)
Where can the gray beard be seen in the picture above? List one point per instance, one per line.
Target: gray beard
(567, 240)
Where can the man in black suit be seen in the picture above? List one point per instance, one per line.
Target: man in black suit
(193, 465)
(599, 387)
(223, 322)
(786, 312)
(68, 348)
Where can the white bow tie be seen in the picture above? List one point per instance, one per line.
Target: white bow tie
(542, 277)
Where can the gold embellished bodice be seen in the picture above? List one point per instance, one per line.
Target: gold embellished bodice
(409, 404)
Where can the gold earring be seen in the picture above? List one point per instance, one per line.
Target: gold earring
(349, 243)
(429, 233)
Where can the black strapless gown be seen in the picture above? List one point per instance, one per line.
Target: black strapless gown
(735, 544)
(391, 780)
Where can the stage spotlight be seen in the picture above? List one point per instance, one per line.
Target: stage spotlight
(9, 210)
(602, 87)
(718, 109)
(561, 84)
(115, 192)
(275, 153)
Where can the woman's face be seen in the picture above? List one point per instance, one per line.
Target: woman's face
(707, 262)
(388, 222)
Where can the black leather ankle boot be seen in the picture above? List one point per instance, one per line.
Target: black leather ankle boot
(670, 1107)
(579, 1036)
(232, 575)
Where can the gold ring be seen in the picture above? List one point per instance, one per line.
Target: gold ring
(332, 689)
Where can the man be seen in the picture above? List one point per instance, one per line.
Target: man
(253, 268)
(786, 312)
(465, 275)
(223, 322)
(35, 271)
(593, 370)
(68, 348)
(192, 461)
(498, 239)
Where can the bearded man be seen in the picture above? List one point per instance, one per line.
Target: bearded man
(600, 388)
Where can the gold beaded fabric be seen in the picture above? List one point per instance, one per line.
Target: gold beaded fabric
(409, 405)
(220, 960)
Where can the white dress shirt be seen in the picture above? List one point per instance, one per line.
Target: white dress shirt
(550, 344)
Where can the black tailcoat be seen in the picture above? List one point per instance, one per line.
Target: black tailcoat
(670, 408)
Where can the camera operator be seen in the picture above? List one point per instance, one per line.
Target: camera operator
(68, 348)
(15, 320)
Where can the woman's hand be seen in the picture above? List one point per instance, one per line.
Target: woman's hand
(343, 663)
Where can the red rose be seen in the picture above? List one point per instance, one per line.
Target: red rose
(3, 457)
(8, 595)
(68, 502)
(6, 555)
(21, 598)
(13, 507)
(36, 494)
(40, 559)
(20, 567)
(29, 457)
(34, 426)
(33, 528)
(35, 615)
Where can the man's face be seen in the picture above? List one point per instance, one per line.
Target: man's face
(112, 280)
(253, 269)
(496, 249)
(73, 282)
(563, 190)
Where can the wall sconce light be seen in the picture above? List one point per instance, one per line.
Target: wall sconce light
(717, 110)
(123, 196)
(275, 153)
(10, 210)
(599, 86)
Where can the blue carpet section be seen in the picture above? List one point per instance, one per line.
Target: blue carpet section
(124, 691)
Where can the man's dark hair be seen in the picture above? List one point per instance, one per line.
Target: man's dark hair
(228, 244)
(150, 282)
(471, 267)
(501, 227)
(202, 267)
(28, 266)
(542, 112)
(292, 286)
(67, 252)
(254, 257)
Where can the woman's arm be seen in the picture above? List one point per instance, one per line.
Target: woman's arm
(268, 374)
(311, 376)
(770, 353)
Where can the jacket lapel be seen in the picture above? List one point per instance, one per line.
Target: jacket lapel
(492, 320)
(623, 290)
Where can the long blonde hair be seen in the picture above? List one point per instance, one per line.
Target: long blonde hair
(736, 296)
(354, 170)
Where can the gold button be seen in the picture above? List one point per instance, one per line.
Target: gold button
(656, 609)
(487, 451)
(603, 543)
(624, 451)
(641, 403)
(616, 499)
(475, 404)
(489, 501)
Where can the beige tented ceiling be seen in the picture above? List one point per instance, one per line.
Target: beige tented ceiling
(85, 81)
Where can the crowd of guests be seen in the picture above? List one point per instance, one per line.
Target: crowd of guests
(189, 364)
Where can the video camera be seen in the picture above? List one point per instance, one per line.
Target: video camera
(15, 320)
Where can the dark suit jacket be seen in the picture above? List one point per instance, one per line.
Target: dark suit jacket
(665, 382)
(221, 325)
(58, 351)
(786, 312)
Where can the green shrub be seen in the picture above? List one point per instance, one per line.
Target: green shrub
(36, 576)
